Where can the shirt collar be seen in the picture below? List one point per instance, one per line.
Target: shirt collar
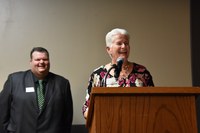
(35, 79)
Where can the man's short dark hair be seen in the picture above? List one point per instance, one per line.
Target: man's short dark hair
(39, 49)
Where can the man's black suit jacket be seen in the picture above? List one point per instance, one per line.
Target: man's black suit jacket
(19, 110)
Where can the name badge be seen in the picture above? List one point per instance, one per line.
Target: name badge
(30, 89)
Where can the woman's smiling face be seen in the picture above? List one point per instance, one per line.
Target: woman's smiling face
(119, 48)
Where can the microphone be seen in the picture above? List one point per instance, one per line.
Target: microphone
(119, 67)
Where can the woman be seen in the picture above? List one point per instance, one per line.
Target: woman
(131, 74)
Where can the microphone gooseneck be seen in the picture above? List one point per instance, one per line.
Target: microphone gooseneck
(103, 83)
(117, 67)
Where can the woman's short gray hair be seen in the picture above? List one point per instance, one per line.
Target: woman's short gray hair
(109, 35)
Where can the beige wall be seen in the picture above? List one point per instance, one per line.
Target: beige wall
(73, 32)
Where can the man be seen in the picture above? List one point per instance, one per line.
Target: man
(29, 107)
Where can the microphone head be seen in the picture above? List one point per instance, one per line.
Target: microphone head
(120, 61)
(118, 69)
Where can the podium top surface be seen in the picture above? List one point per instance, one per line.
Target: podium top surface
(145, 90)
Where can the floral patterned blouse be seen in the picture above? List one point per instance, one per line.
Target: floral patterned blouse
(139, 77)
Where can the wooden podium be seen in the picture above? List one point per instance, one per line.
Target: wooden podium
(143, 110)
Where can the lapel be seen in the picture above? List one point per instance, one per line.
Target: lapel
(29, 82)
